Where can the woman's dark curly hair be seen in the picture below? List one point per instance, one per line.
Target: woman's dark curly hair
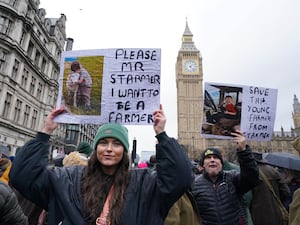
(95, 186)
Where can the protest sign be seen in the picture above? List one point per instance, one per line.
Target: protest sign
(109, 85)
(259, 113)
(229, 107)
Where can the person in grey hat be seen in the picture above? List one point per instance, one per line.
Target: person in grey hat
(105, 191)
(219, 193)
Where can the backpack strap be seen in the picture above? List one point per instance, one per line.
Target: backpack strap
(103, 218)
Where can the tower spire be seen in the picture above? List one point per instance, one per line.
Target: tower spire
(187, 31)
(187, 40)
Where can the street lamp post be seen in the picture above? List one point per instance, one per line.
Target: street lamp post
(193, 149)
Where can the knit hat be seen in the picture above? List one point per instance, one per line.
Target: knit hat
(85, 148)
(211, 151)
(112, 130)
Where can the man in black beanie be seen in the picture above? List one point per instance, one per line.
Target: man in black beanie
(219, 193)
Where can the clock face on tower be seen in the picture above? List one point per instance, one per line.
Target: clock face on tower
(190, 66)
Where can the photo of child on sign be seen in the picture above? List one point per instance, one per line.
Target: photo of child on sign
(81, 95)
(222, 109)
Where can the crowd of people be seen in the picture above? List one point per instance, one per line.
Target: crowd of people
(96, 185)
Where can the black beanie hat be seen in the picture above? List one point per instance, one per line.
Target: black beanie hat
(211, 151)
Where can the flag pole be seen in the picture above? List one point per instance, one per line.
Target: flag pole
(133, 153)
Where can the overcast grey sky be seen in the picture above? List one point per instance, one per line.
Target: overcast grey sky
(241, 42)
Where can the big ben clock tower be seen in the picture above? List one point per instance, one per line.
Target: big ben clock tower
(189, 78)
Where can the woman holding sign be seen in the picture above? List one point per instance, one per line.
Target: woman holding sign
(106, 191)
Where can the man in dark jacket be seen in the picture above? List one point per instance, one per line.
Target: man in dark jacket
(263, 197)
(219, 193)
(10, 210)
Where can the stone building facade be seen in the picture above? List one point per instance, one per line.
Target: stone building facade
(30, 50)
